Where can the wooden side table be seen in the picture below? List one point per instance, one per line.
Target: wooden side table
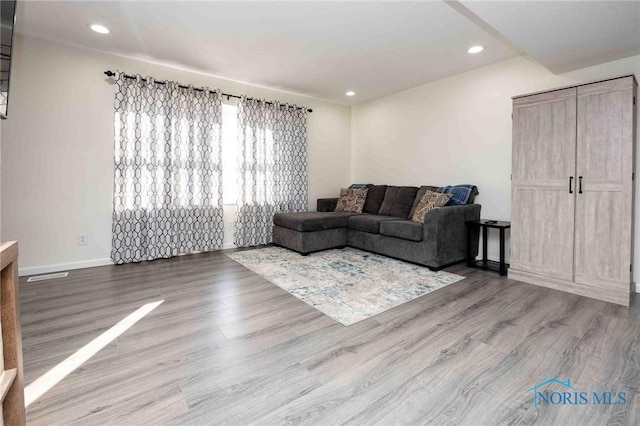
(490, 265)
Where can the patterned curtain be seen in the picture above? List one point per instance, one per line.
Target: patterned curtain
(168, 179)
(272, 167)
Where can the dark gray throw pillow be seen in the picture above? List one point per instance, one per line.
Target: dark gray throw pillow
(398, 201)
(375, 197)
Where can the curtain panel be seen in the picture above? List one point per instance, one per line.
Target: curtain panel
(168, 176)
(272, 167)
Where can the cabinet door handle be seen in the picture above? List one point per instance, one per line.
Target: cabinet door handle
(579, 184)
(570, 184)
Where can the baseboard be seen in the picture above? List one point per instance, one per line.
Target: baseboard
(46, 269)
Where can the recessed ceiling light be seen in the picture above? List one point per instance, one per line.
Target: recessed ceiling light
(99, 28)
(475, 49)
(350, 93)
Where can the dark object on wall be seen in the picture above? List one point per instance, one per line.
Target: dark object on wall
(7, 19)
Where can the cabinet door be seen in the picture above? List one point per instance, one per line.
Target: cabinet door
(544, 143)
(605, 159)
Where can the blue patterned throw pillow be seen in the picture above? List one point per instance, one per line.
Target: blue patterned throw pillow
(460, 194)
(361, 185)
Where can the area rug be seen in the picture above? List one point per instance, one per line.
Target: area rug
(348, 285)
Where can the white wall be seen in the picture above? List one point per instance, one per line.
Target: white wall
(57, 149)
(458, 130)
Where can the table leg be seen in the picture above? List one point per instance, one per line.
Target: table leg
(484, 245)
(469, 232)
(503, 268)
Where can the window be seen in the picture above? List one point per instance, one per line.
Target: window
(151, 151)
(154, 156)
(229, 157)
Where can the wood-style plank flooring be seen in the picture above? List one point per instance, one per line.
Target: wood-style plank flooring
(228, 347)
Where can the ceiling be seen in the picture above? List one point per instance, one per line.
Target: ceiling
(566, 35)
(323, 49)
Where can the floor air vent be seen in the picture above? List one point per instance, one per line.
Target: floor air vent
(47, 277)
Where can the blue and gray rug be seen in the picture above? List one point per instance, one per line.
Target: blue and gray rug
(348, 285)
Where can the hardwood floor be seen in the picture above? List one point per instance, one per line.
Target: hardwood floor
(228, 347)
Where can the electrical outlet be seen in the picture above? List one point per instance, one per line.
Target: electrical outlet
(83, 239)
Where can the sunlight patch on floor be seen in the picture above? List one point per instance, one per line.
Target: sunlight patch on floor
(52, 377)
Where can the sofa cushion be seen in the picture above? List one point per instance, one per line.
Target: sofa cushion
(375, 197)
(398, 201)
(326, 204)
(368, 222)
(419, 196)
(351, 200)
(312, 221)
(431, 200)
(404, 229)
(460, 194)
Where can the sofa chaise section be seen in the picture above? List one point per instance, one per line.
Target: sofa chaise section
(307, 232)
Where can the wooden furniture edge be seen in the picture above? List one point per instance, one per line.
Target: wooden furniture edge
(13, 403)
(8, 253)
(6, 380)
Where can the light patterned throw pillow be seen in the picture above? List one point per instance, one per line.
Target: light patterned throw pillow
(351, 200)
(430, 200)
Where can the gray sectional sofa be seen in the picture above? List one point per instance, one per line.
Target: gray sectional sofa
(384, 227)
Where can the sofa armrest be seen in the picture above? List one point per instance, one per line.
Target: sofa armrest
(326, 204)
(445, 228)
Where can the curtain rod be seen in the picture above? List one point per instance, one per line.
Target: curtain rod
(112, 74)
